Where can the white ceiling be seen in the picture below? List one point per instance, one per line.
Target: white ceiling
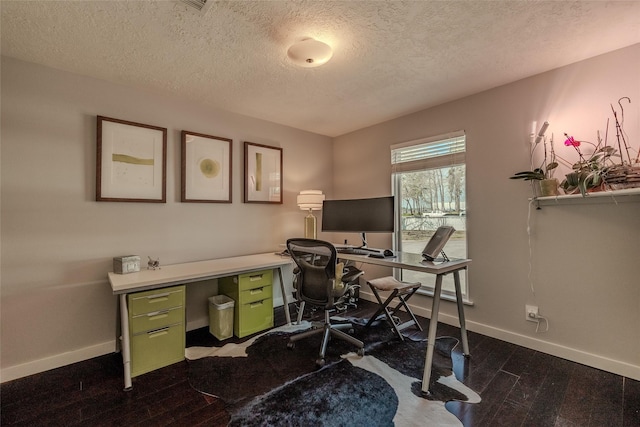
(390, 58)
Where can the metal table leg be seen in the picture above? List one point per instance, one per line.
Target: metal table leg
(287, 314)
(126, 343)
(463, 327)
(431, 337)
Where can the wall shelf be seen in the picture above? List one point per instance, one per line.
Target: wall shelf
(612, 196)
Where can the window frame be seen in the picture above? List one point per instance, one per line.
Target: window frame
(420, 155)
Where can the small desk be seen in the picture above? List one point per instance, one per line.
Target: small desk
(409, 261)
(178, 274)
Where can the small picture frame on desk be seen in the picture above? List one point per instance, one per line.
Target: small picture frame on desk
(206, 168)
(262, 174)
(131, 163)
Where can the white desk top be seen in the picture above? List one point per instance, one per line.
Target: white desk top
(176, 274)
(410, 261)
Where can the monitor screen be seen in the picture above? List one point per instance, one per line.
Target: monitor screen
(374, 215)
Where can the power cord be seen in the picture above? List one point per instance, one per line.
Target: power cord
(533, 291)
(535, 142)
(538, 319)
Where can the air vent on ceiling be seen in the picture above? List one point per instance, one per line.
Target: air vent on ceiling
(200, 5)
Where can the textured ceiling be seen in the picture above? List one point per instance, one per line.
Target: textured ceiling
(390, 58)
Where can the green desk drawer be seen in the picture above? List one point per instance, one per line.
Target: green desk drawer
(156, 300)
(255, 279)
(156, 349)
(253, 317)
(255, 294)
(156, 319)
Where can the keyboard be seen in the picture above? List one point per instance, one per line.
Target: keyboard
(353, 251)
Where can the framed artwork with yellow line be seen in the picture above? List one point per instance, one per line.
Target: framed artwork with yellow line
(131, 162)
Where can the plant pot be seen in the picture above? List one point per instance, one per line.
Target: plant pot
(549, 187)
(623, 176)
(597, 188)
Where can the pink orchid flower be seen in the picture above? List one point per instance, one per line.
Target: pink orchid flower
(571, 142)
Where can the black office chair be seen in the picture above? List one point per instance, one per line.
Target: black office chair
(322, 282)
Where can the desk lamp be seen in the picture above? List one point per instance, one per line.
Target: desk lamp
(310, 200)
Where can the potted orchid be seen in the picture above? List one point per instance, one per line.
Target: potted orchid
(588, 172)
(544, 173)
(615, 168)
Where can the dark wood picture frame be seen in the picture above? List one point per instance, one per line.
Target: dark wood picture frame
(131, 162)
(206, 168)
(262, 173)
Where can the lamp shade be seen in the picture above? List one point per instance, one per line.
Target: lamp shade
(310, 200)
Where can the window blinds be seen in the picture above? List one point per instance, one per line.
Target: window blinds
(428, 153)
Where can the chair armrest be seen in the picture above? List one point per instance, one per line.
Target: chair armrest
(351, 273)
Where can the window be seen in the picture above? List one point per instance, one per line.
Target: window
(428, 178)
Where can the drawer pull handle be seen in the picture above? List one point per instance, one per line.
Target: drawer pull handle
(256, 304)
(256, 291)
(157, 315)
(158, 332)
(256, 277)
(158, 298)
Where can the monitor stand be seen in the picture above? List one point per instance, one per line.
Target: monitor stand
(364, 245)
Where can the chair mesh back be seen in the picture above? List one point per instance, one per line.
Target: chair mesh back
(316, 260)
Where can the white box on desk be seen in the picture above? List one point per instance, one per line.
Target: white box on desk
(126, 264)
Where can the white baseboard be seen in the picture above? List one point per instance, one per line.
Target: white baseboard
(57, 361)
(197, 324)
(589, 359)
(594, 360)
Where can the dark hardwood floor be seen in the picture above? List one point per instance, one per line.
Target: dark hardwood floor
(518, 386)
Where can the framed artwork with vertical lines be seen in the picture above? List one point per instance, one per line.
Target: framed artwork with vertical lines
(131, 162)
(262, 173)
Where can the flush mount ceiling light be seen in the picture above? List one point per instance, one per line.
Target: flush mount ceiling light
(201, 6)
(310, 53)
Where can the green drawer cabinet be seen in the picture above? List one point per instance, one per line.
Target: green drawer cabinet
(253, 296)
(156, 328)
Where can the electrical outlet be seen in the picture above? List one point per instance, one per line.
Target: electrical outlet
(531, 313)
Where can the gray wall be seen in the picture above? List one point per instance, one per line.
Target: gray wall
(585, 257)
(58, 242)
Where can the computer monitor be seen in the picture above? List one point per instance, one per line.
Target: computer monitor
(374, 215)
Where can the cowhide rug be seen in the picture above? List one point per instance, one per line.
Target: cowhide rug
(265, 383)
